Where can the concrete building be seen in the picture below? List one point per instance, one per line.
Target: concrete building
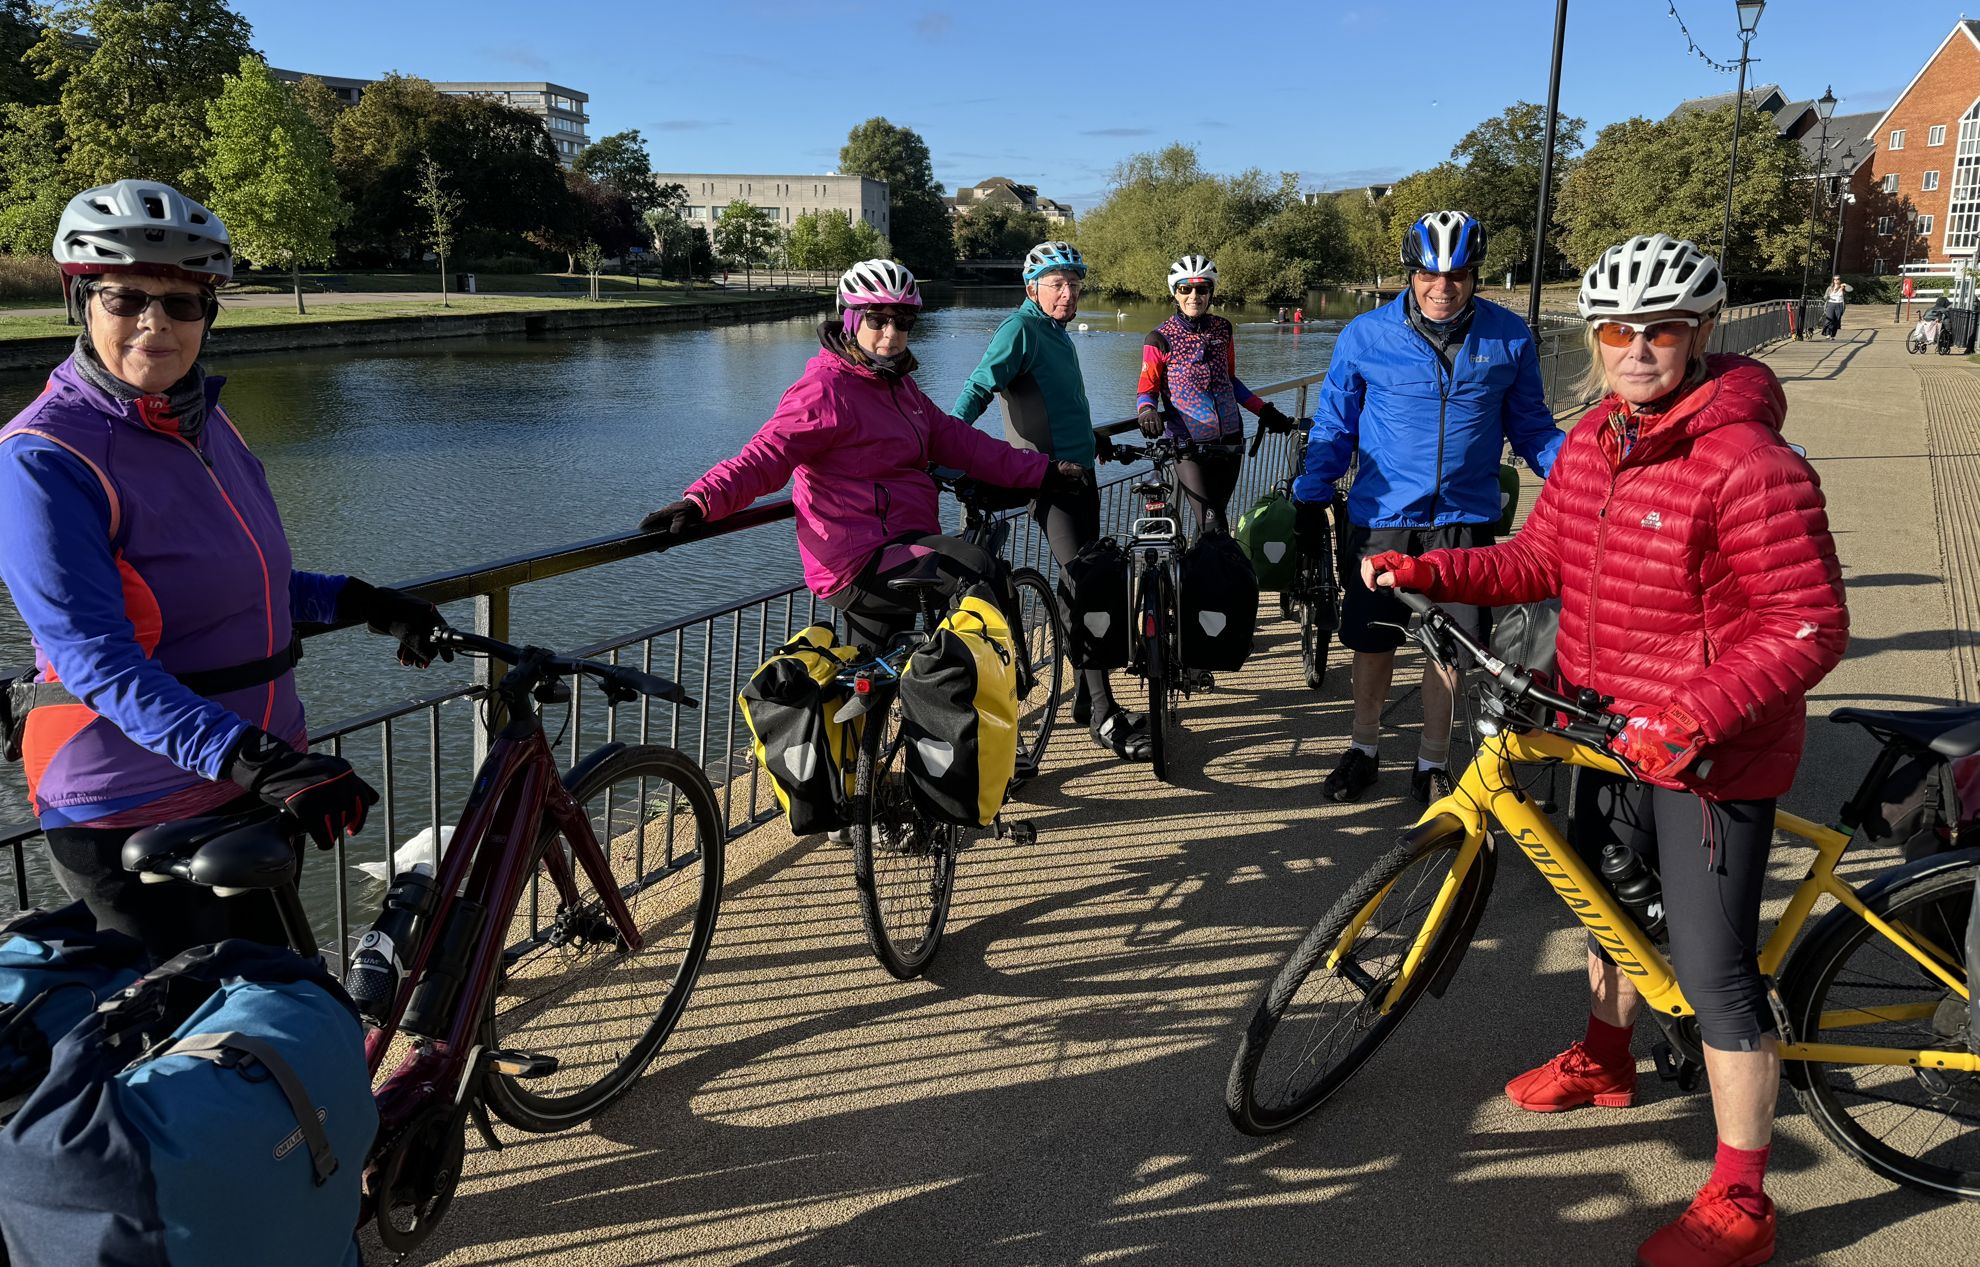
(1922, 155)
(563, 110)
(785, 197)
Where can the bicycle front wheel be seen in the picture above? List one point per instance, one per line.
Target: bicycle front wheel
(904, 864)
(1913, 1124)
(571, 987)
(1322, 1017)
(1040, 642)
(1159, 667)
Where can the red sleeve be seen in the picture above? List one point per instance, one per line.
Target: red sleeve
(1154, 365)
(1524, 568)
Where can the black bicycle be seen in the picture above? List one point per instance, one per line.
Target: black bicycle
(1314, 601)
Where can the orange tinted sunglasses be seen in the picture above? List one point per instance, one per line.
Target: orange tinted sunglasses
(1666, 333)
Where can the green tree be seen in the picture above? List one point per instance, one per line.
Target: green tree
(20, 30)
(621, 161)
(999, 231)
(1501, 186)
(744, 235)
(1669, 176)
(377, 146)
(136, 78)
(1439, 188)
(33, 185)
(919, 217)
(1371, 247)
(270, 171)
(832, 241)
(319, 103)
(442, 207)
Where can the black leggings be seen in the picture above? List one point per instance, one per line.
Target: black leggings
(1069, 524)
(875, 613)
(1207, 481)
(167, 918)
(1712, 859)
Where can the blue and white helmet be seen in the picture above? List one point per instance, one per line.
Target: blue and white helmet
(1051, 257)
(1444, 242)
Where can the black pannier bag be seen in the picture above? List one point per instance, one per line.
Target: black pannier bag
(1218, 603)
(1093, 588)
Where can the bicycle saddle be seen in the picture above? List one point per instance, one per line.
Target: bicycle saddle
(925, 575)
(1952, 731)
(225, 854)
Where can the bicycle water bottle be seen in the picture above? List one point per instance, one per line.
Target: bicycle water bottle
(373, 978)
(1636, 885)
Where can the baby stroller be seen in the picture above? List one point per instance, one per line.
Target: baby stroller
(1926, 334)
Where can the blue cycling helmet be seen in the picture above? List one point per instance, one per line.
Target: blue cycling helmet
(1050, 257)
(1444, 242)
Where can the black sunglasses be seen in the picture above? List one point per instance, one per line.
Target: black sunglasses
(902, 321)
(129, 301)
(1190, 288)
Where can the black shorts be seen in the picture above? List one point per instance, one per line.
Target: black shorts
(1373, 620)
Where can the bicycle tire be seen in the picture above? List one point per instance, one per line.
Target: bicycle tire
(904, 866)
(1159, 667)
(1830, 976)
(1042, 643)
(1260, 1101)
(675, 897)
(1315, 641)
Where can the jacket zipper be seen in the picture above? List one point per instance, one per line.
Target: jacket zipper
(1595, 568)
(1443, 410)
(267, 583)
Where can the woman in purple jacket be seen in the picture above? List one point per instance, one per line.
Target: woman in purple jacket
(146, 556)
(860, 436)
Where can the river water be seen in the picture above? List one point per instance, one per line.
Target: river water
(394, 463)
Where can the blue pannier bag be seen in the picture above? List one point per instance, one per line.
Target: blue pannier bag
(218, 1112)
(55, 967)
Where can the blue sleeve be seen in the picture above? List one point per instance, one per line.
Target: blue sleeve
(1336, 424)
(1529, 425)
(55, 519)
(313, 596)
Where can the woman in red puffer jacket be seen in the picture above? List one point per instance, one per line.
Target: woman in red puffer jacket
(1690, 549)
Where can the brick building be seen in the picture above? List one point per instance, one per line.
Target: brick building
(1922, 155)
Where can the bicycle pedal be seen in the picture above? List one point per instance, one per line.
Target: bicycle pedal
(1672, 1067)
(1020, 831)
(521, 1064)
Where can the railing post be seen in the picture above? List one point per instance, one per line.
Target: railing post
(491, 620)
(1299, 406)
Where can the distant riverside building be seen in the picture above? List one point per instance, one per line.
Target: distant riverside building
(563, 110)
(1922, 154)
(1004, 190)
(785, 198)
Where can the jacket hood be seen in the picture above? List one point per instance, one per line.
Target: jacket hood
(1736, 389)
(826, 363)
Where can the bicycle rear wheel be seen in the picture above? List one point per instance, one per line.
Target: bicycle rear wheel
(904, 864)
(1041, 644)
(570, 987)
(1321, 1019)
(1915, 1125)
(1159, 666)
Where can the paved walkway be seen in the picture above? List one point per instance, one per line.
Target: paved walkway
(1051, 1093)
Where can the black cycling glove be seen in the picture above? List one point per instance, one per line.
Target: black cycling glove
(322, 792)
(1065, 479)
(674, 518)
(1151, 423)
(395, 614)
(1310, 520)
(1273, 419)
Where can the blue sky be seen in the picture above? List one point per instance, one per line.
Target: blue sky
(1056, 94)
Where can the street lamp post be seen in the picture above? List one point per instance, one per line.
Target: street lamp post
(1904, 258)
(1824, 107)
(1749, 22)
(1546, 166)
(1843, 199)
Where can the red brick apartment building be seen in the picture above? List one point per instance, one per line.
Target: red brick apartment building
(1922, 155)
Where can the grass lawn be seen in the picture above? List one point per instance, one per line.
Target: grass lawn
(33, 327)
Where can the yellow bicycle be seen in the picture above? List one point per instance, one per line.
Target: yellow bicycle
(1874, 1003)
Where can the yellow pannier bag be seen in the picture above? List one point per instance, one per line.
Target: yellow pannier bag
(959, 710)
(788, 705)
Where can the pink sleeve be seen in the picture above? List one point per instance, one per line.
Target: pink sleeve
(766, 463)
(954, 443)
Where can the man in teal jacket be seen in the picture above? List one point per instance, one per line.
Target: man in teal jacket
(1032, 364)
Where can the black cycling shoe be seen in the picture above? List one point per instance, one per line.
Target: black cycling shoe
(1353, 776)
(1125, 735)
(1430, 785)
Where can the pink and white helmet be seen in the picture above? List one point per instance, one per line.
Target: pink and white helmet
(871, 282)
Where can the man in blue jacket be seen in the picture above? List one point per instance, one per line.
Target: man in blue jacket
(1427, 390)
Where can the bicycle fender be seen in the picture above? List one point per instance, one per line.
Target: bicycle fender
(592, 760)
(1468, 917)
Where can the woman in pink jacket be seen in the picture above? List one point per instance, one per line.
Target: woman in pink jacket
(860, 437)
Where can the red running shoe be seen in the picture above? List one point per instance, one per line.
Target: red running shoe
(1714, 1232)
(1571, 1080)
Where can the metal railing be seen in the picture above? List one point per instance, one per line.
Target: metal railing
(421, 753)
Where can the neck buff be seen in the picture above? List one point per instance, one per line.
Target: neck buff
(1444, 331)
(182, 406)
(839, 340)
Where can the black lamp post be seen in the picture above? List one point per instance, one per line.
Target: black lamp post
(1843, 199)
(1824, 107)
(1910, 221)
(1546, 167)
(1749, 22)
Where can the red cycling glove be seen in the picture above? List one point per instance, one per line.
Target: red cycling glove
(1406, 572)
(1661, 745)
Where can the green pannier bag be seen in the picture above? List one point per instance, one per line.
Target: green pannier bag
(788, 704)
(1269, 534)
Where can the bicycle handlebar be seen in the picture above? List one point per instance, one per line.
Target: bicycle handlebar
(620, 683)
(1522, 684)
(1159, 450)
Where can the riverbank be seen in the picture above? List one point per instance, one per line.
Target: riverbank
(38, 341)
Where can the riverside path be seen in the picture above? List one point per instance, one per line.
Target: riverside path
(1051, 1093)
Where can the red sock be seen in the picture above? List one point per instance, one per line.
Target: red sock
(1608, 1045)
(1744, 1171)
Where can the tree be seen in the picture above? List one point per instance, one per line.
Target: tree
(999, 231)
(442, 207)
(1371, 244)
(136, 78)
(20, 30)
(833, 241)
(1439, 188)
(621, 162)
(377, 146)
(743, 235)
(318, 102)
(33, 185)
(1501, 186)
(591, 255)
(919, 217)
(270, 171)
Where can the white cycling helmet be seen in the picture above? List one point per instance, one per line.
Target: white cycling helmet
(142, 226)
(1192, 268)
(1652, 273)
(872, 282)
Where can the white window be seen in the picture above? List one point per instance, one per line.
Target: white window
(1924, 226)
(1890, 183)
(697, 213)
(1963, 213)
(1884, 225)
(1897, 139)
(1877, 266)
(1936, 135)
(1930, 182)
